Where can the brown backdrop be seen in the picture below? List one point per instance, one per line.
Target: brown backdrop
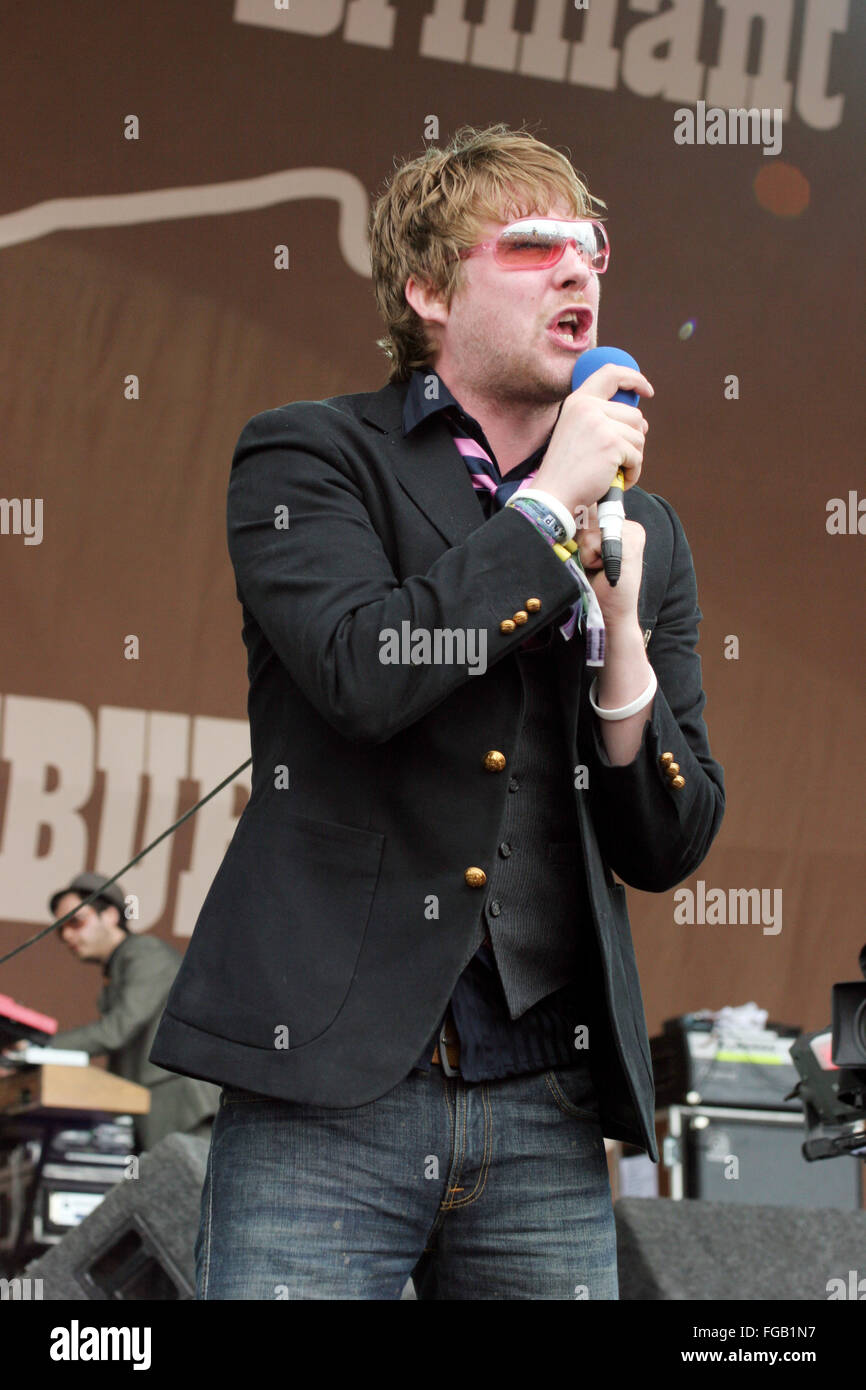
(179, 289)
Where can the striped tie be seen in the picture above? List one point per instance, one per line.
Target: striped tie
(484, 473)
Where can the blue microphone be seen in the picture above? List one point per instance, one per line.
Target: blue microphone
(611, 512)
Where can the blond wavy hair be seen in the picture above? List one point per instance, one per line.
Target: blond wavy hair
(434, 206)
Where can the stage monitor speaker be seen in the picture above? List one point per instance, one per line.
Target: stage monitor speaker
(714, 1250)
(729, 1154)
(139, 1242)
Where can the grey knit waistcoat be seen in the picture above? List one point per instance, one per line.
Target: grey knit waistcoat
(536, 909)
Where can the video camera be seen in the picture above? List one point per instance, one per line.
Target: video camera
(832, 1067)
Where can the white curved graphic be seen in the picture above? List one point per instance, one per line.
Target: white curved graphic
(204, 200)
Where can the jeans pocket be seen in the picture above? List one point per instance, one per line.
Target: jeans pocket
(573, 1090)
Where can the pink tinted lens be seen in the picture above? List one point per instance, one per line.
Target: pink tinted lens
(536, 247)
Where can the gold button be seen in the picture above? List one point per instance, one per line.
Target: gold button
(666, 758)
(672, 769)
(521, 616)
(678, 782)
(476, 878)
(494, 761)
(507, 625)
(533, 604)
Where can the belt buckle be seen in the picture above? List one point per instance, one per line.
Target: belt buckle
(443, 1051)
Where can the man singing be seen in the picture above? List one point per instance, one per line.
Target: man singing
(413, 974)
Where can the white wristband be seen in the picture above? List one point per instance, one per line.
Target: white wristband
(559, 509)
(638, 704)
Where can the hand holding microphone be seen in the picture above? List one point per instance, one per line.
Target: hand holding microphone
(596, 449)
(611, 512)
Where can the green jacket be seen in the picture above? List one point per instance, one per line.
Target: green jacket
(138, 977)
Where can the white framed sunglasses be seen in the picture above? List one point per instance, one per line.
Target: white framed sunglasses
(536, 243)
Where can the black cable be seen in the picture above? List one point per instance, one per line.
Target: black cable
(100, 892)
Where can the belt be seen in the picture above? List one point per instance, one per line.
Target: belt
(446, 1054)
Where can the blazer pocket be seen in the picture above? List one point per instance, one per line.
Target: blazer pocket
(275, 948)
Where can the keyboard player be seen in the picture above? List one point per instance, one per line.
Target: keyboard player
(137, 974)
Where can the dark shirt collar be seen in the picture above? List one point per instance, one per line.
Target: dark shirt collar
(428, 395)
(418, 407)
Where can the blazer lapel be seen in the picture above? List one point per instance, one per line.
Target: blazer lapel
(427, 466)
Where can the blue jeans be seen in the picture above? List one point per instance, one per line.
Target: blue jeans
(479, 1190)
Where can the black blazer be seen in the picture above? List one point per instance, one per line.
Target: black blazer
(314, 972)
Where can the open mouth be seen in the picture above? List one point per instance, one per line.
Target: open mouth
(571, 328)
